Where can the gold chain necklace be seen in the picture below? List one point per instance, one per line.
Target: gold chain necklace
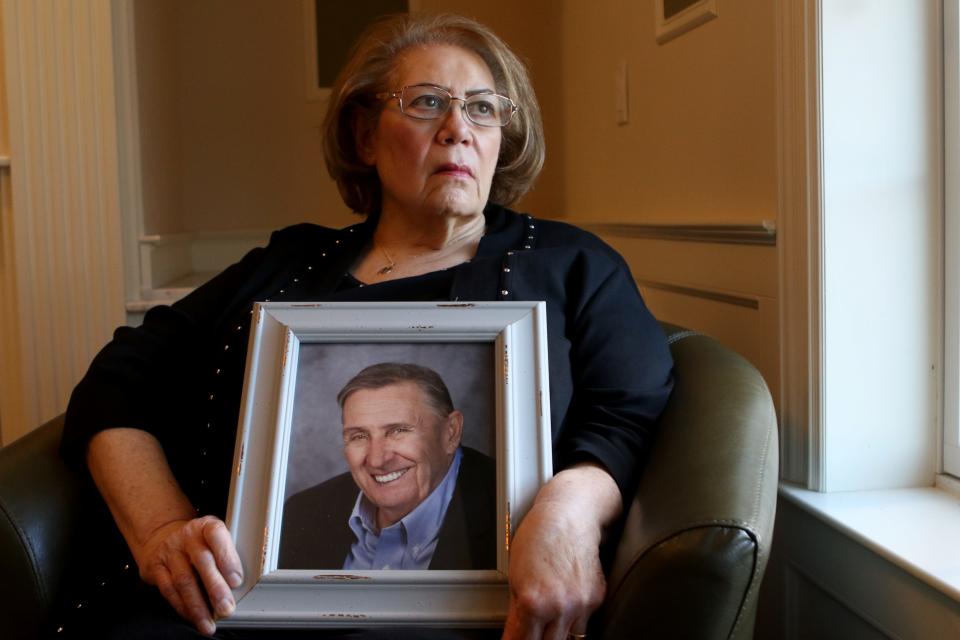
(390, 263)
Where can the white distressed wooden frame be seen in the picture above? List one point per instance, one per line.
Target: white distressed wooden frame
(270, 597)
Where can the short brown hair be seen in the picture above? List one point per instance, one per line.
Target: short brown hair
(383, 374)
(354, 108)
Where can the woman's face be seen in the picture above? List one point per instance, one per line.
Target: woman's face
(443, 166)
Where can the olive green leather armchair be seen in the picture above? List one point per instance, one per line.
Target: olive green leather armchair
(688, 563)
(696, 539)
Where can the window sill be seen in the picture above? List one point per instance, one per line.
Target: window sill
(915, 529)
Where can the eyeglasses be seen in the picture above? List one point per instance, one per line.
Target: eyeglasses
(429, 102)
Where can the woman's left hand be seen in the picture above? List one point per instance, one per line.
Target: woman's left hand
(556, 580)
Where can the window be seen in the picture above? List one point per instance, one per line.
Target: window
(951, 338)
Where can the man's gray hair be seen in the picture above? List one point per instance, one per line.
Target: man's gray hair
(383, 374)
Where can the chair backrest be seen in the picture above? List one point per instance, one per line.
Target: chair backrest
(34, 534)
(54, 533)
(697, 537)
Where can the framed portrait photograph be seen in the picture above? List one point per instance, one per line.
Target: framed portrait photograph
(386, 453)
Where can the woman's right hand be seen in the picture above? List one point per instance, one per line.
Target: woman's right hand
(191, 560)
(194, 564)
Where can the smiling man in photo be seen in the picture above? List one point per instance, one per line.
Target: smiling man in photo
(424, 501)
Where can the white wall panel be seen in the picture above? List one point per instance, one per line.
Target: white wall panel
(65, 224)
(822, 584)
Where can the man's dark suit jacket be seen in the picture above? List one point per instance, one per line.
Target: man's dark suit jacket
(315, 533)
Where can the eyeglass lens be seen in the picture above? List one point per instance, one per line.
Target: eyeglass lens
(428, 102)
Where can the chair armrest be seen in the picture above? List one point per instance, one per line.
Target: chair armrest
(696, 537)
(40, 503)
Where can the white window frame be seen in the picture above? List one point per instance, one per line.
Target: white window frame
(951, 250)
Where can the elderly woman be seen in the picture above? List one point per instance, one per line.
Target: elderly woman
(432, 129)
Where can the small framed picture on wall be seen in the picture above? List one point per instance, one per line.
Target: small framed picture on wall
(330, 29)
(676, 17)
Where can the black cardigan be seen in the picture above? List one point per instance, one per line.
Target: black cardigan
(179, 375)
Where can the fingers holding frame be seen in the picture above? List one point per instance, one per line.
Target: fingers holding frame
(193, 564)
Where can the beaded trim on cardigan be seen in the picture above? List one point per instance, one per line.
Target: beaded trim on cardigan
(242, 332)
(507, 266)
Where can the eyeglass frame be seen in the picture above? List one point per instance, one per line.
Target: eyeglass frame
(398, 94)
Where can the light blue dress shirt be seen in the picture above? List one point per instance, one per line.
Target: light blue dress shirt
(407, 544)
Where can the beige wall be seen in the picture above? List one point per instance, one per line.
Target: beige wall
(700, 145)
(534, 30)
(228, 139)
(251, 141)
(156, 28)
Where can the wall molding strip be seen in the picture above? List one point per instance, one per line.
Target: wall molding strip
(187, 237)
(715, 296)
(763, 233)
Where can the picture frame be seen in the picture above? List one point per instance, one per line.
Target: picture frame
(516, 335)
(673, 18)
(327, 42)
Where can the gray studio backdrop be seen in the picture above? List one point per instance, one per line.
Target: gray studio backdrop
(316, 444)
